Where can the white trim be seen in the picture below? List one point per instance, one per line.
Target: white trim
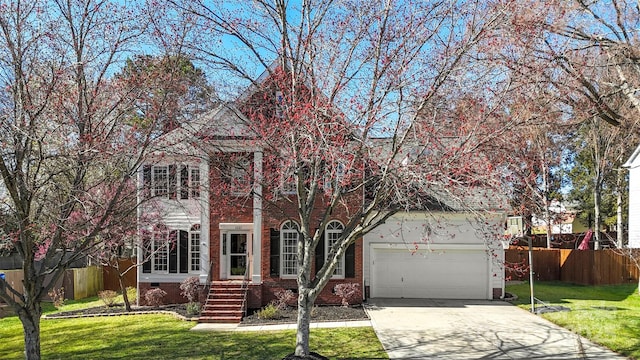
(256, 245)
(341, 261)
(235, 226)
(204, 222)
(400, 246)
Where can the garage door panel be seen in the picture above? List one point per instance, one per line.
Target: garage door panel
(455, 274)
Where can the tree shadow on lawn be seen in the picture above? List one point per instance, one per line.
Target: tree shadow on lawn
(172, 343)
(170, 338)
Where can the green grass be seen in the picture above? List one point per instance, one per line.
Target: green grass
(164, 337)
(608, 315)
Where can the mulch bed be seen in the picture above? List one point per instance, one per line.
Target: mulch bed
(318, 314)
(287, 316)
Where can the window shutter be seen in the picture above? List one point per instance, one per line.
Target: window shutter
(274, 236)
(320, 255)
(146, 184)
(184, 182)
(173, 252)
(146, 243)
(350, 262)
(172, 181)
(184, 252)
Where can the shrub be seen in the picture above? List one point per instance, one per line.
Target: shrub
(269, 312)
(108, 297)
(57, 296)
(155, 297)
(348, 292)
(193, 308)
(189, 288)
(283, 297)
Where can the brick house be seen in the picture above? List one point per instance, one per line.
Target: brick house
(217, 223)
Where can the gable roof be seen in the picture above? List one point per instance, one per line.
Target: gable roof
(634, 159)
(437, 197)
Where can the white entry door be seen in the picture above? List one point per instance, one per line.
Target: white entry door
(237, 254)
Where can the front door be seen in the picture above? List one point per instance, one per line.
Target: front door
(237, 258)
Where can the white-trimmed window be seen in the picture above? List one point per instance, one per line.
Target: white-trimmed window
(194, 247)
(289, 235)
(289, 186)
(332, 234)
(160, 181)
(160, 260)
(279, 109)
(173, 251)
(195, 183)
(172, 181)
(240, 176)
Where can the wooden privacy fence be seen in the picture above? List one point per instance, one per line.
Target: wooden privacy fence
(110, 275)
(587, 267)
(78, 283)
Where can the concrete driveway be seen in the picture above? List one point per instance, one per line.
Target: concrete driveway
(473, 329)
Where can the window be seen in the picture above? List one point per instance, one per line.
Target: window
(159, 251)
(240, 176)
(171, 180)
(174, 251)
(195, 248)
(332, 234)
(279, 97)
(289, 235)
(195, 183)
(289, 185)
(160, 181)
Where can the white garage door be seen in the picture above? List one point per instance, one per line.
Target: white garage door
(446, 274)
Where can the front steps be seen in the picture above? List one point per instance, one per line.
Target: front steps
(225, 303)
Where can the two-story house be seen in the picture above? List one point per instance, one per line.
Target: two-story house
(208, 215)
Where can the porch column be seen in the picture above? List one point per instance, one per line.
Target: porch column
(205, 261)
(256, 272)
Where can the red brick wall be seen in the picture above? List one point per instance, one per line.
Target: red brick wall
(227, 208)
(173, 292)
(224, 208)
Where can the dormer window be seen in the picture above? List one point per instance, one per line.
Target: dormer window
(279, 110)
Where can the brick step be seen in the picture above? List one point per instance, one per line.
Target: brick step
(226, 290)
(224, 300)
(214, 307)
(222, 297)
(220, 320)
(222, 313)
(224, 303)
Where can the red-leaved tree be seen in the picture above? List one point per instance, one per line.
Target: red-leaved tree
(366, 109)
(70, 137)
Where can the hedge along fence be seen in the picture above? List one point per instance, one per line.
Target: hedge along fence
(587, 267)
(78, 283)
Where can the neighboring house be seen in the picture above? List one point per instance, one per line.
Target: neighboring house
(234, 238)
(633, 165)
(563, 221)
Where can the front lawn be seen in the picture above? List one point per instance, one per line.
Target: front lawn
(608, 315)
(164, 337)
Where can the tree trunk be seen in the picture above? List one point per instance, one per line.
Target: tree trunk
(596, 220)
(30, 318)
(305, 305)
(125, 297)
(619, 234)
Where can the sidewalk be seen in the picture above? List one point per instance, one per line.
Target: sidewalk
(278, 327)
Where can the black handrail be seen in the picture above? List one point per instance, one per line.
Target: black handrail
(245, 289)
(209, 277)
